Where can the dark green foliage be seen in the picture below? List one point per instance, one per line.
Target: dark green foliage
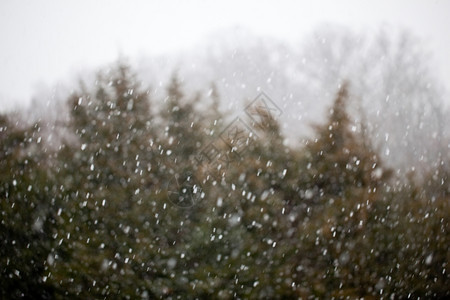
(26, 214)
(97, 218)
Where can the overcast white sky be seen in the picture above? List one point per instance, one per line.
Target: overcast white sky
(42, 42)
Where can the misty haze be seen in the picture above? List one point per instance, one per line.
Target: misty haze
(194, 150)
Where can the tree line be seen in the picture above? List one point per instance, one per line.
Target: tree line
(130, 205)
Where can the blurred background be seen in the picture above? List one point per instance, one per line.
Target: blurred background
(296, 52)
(124, 172)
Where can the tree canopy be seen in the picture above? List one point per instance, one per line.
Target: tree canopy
(164, 201)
